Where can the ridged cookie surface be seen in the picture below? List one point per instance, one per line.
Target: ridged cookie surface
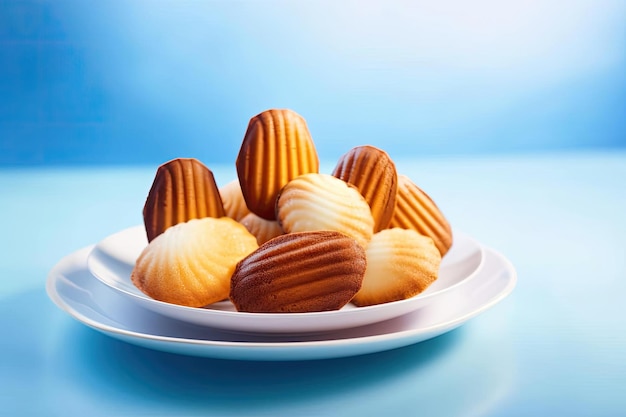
(183, 189)
(323, 202)
(191, 263)
(299, 273)
(261, 228)
(277, 147)
(233, 201)
(372, 171)
(416, 210)
(401, 263)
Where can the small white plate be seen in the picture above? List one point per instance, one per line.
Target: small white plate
(112, 261)
(74, 289)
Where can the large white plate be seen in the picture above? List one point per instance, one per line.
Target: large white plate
(74, 289)
(113, 259)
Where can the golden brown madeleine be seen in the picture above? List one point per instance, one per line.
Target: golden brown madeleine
(372, 171)
(261, 228)
(299, 273)
(401, 263)
(277, 147)
(416, 210)
(323, 202)
(191, 263)
(232, 198)
(183, 189)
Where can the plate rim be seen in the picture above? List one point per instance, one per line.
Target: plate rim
(215, 314)
(266, 350)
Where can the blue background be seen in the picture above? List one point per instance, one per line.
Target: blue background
(511, 116)
(140, 82)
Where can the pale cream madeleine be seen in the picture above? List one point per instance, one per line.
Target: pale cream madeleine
(261, 228)
(401, 263)
(322, 202)
(234, 203)
(191, 263)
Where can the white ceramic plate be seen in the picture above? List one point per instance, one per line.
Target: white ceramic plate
(113, 259)
(74, 289)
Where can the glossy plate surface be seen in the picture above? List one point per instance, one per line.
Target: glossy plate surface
(74, 289)
(113, 259)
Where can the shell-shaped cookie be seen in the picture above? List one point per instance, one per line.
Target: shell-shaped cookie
(191, 263)
(416, 210)
(299, 273)
(401, 263)
(183, 189)
(276, 148)
(372, 171)
(233, 201)
(323, 202)
(261, 228)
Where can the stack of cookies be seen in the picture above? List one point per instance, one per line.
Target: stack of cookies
(285, 238)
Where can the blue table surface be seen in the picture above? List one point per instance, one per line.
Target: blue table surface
(555, 346)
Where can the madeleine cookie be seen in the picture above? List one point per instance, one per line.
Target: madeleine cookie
(416, 210)
(233, 201)
(261, 228)
(299, 273)
(400, 264)
(373, 172)
(323, 202)
(183, 189)
(191, 263)
(277, 147)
